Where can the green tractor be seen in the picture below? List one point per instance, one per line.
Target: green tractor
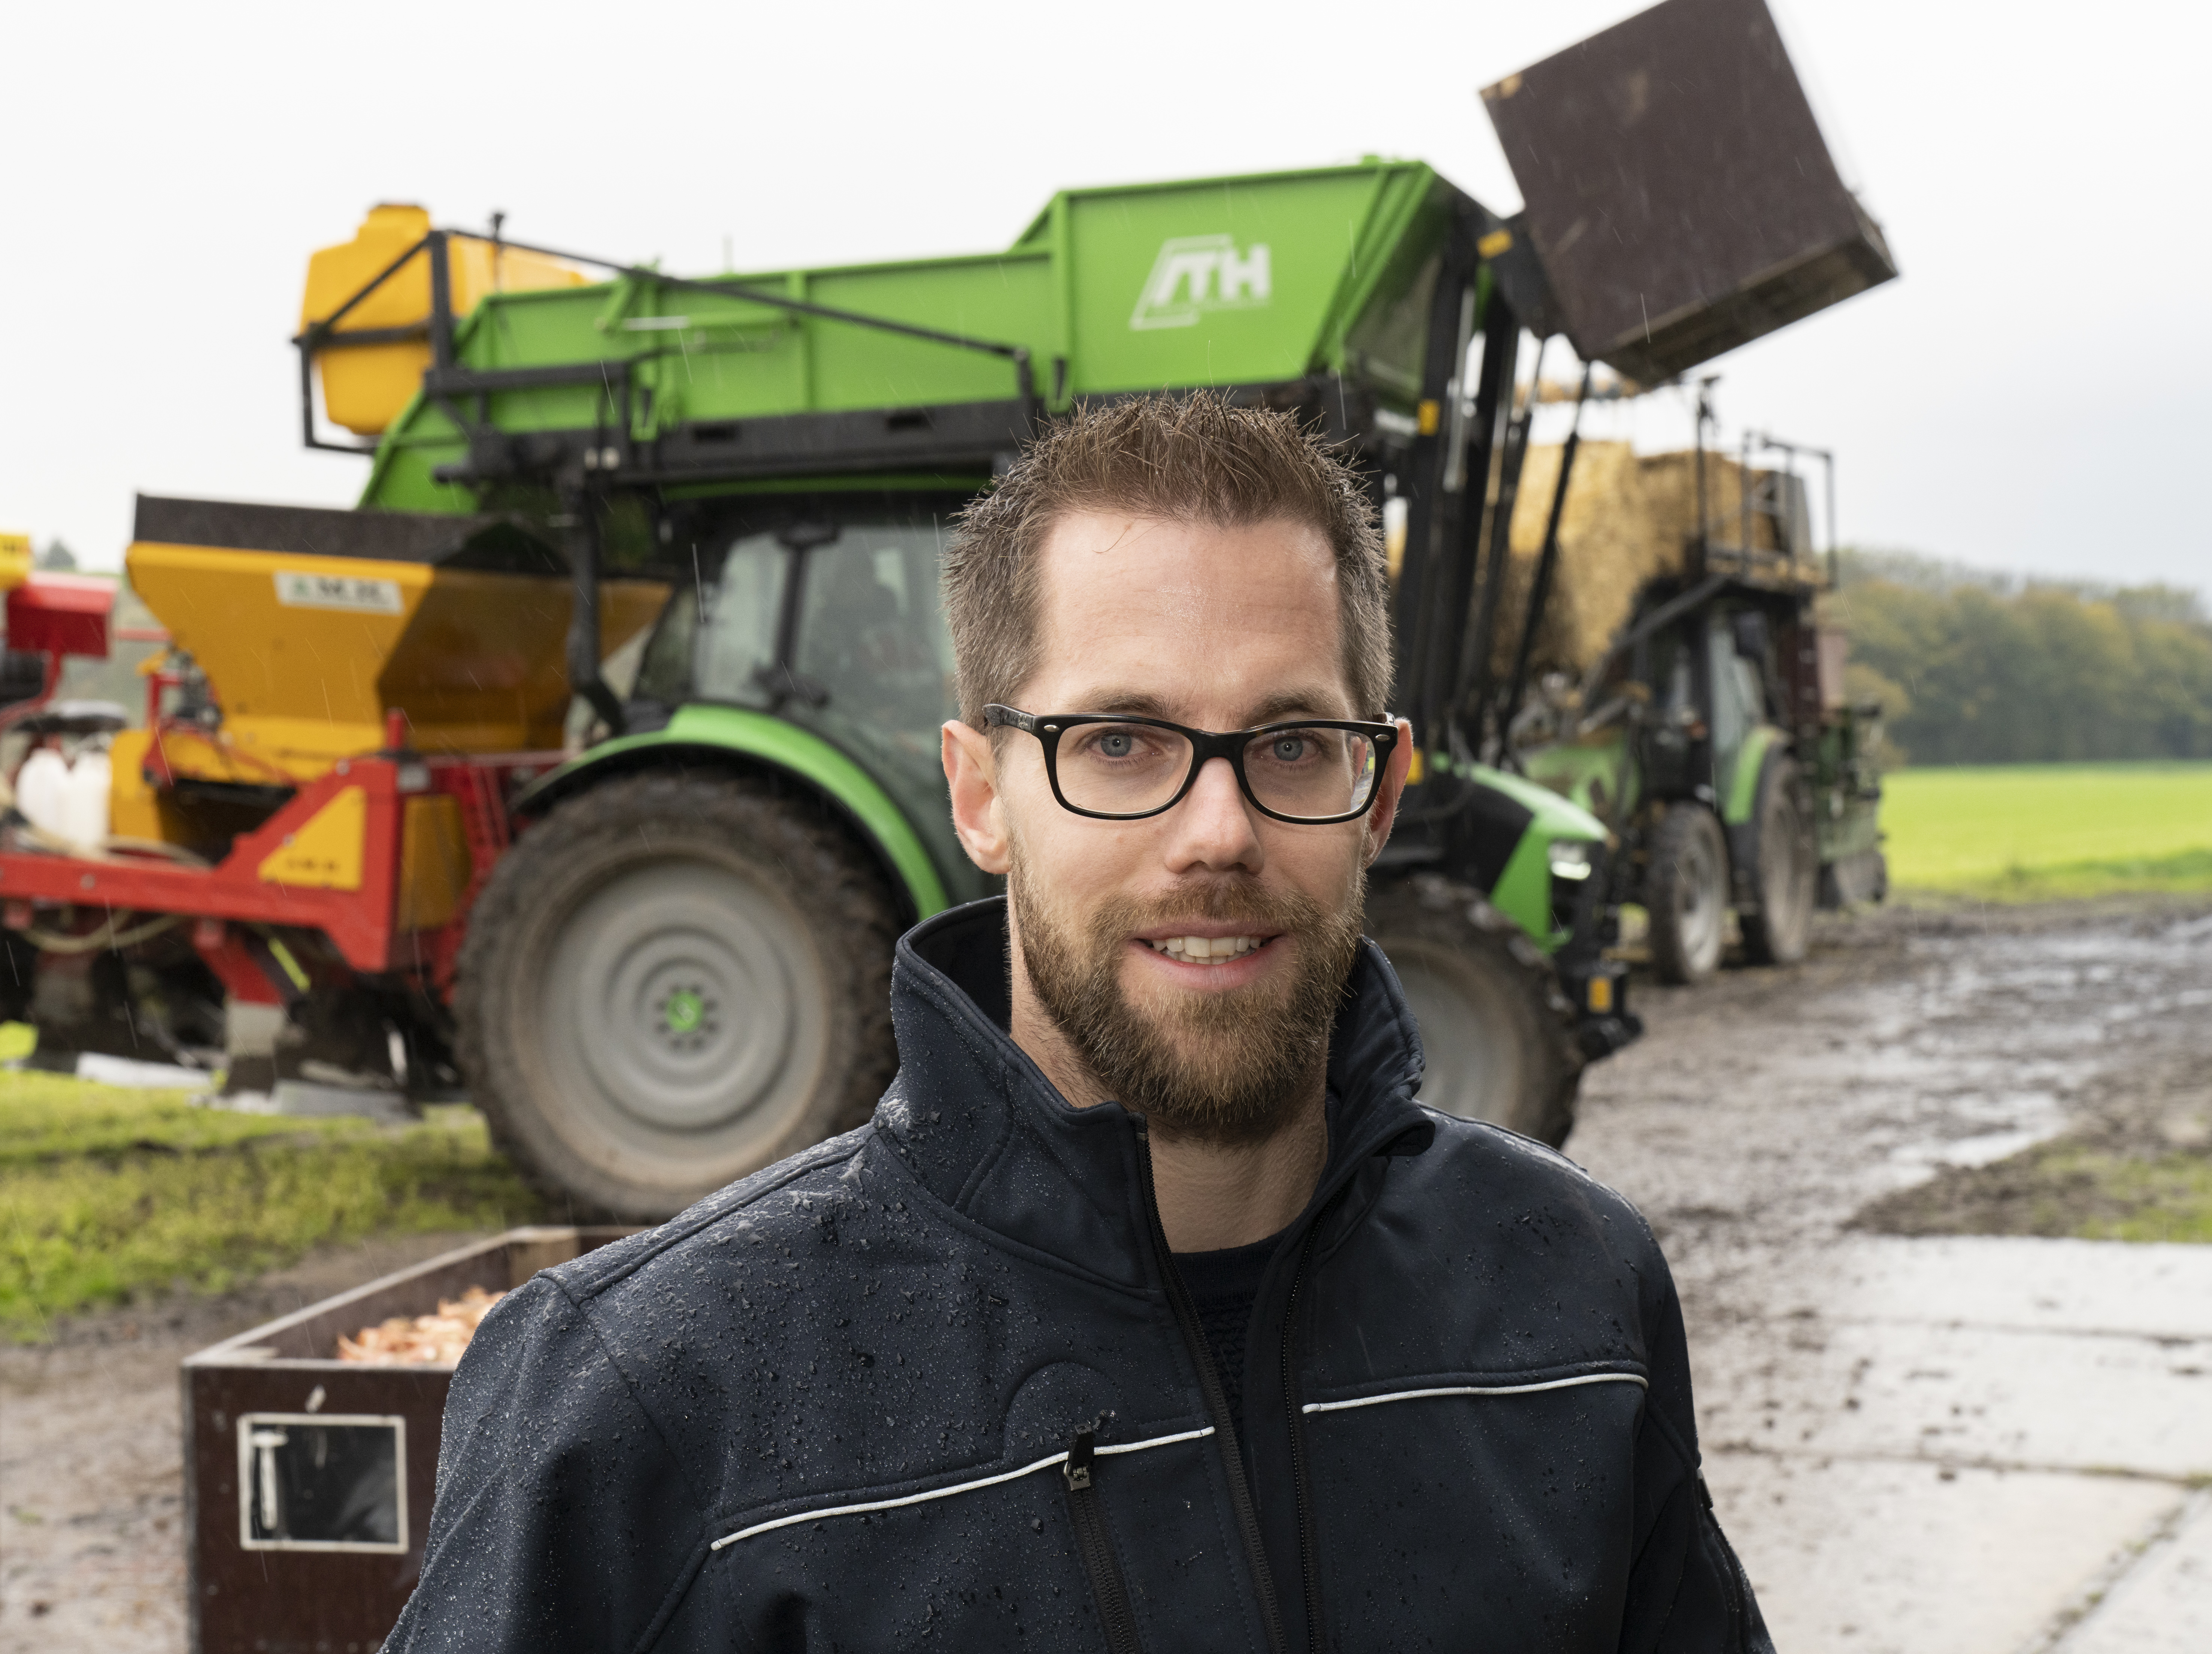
(1712, 734)
(678, 972)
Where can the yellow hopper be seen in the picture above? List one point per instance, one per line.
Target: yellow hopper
(311, 626)
(372, 363)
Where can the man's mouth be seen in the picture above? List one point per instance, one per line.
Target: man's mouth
(1204, 949)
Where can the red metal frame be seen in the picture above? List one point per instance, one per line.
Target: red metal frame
(481, 785)
(63, 615)
(360, 923)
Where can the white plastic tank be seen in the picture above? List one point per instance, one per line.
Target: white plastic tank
(39, 785)
(83, 810)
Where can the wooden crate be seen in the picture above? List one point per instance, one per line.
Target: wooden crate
(308, 1480)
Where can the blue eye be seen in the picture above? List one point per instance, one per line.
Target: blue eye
(1115, 745)
(1289, 749)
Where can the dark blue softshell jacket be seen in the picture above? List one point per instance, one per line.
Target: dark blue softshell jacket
(927, 1386)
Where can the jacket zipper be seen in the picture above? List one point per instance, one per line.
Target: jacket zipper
(1301, 1490)
(1107, 1585)
(1217, 1401)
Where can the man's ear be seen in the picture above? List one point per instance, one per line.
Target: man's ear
(1384, 811)
(978, 813)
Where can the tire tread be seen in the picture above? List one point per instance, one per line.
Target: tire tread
(1457, 916)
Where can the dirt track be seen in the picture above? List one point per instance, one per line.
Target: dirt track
(1887, 1489)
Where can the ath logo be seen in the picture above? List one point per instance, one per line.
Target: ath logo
(1194, 273)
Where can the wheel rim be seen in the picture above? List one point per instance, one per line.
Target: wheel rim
(682, 1005)
(1477, 1068)
(1698, 903)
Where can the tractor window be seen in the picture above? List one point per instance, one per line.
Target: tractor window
(872, 637)
(664, 675)
(1672, 676)
(737, 627)
(871, 667)
(1738, 699)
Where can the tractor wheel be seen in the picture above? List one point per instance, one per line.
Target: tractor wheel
(1686, 893)
(1492, 1020)
(1785, 866)
(671, 982)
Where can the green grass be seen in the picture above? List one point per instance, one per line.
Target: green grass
(2048, 832)
(109, 1195)
(2067, 1187)
(2166, 1199)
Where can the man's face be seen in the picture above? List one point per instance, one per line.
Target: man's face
(1219, 629)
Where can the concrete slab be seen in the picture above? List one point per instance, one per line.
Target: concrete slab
(1854, 1557)
(2029, 1353)
(155, 1076)
(2163, 1605)
(308, 1099)
(307, 1096)
(1970, 1395)
(2071, 1285)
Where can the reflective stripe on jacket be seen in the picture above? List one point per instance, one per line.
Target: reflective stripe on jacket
(931, 1385)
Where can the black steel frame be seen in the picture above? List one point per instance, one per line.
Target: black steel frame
(445, 380)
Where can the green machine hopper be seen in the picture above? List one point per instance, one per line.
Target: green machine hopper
(929, 363)
(678, 973)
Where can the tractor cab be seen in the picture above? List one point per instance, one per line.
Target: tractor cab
(821, 610)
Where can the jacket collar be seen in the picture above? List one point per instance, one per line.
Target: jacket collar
(979, 1126)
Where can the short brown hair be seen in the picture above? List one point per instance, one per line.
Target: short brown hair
(1195, 458)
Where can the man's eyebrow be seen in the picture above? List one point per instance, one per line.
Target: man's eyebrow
(1311, 702)
(1297, 703)
(1138, 704)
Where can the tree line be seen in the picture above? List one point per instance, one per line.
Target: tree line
(1972, 667)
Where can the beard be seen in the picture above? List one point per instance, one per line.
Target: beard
(1221, 1067)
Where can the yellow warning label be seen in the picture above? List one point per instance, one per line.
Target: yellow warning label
(324, 852)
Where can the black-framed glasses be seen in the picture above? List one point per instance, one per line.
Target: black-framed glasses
(1115, 767)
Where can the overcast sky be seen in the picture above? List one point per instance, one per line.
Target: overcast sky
(2031, 395)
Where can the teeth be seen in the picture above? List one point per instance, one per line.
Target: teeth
(1193, 948)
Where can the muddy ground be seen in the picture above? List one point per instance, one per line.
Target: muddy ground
(1766, 1122)
(1900, 1079)
(91, 1471)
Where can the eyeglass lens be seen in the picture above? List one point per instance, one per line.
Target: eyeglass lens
(1131, 768)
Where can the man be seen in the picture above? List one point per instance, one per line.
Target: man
(1152, 1311)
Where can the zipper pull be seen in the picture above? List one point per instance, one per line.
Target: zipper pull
(1079, 1454)
(1107, 1588)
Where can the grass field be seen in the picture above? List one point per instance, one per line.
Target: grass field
(2048, 832)
(107, 1195)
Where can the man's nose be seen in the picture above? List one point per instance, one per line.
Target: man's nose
(1213, 827)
